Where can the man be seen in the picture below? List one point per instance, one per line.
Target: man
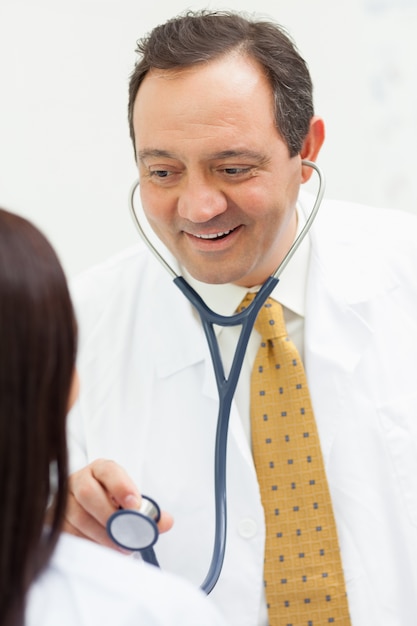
(221, 119)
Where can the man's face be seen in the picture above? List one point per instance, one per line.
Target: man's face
(217, 183)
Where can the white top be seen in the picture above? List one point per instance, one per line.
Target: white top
(89, 585)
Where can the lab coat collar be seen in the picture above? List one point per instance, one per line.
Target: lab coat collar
(346, 252)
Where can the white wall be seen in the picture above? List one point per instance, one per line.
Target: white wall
(65, 156)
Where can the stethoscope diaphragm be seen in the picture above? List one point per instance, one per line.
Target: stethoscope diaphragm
(135, 530)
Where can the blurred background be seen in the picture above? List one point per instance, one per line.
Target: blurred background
(66, 161)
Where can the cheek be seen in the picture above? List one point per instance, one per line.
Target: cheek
(156, 206)
(273, 199)
(260, 205)
(270, 212)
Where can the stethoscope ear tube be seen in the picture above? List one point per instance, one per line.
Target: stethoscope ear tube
(286, 259)
(309, 220)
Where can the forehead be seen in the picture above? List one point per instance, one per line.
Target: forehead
(231, 65)
(229, 94)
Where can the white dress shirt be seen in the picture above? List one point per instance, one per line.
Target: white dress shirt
(224, 299)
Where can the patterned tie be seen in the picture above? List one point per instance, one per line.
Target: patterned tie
(304, 580)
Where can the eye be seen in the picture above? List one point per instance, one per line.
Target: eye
(160, 173)
(236, 172)
(162, 176)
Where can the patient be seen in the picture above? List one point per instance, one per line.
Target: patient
(48, 578)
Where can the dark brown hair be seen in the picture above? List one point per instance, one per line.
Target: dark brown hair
(37, 355)
(201, 36)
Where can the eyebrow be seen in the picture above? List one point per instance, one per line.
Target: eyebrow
(247, 154)
(224, 154)
(143, 154)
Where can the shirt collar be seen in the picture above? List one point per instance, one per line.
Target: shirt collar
(290, 291)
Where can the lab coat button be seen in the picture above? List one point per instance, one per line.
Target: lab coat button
(247, 528)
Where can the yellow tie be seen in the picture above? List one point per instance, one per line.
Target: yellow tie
(304, 580)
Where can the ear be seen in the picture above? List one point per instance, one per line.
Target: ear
(312, 145)
(74, 389)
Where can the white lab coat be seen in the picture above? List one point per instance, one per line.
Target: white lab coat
(88, 585)
(149, 401)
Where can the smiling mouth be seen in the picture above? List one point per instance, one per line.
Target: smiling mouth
(221, 235)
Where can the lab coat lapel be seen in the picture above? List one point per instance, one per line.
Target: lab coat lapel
(342, 280)
(174, 352)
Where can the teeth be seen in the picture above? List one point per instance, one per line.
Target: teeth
(214, 236)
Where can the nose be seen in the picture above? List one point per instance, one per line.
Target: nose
(200, 200)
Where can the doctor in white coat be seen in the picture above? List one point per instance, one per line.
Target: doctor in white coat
(220, 175)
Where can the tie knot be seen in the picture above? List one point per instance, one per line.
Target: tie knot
(270, 321)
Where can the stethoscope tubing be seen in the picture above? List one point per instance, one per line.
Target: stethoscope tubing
(284, 262)
(227, 386)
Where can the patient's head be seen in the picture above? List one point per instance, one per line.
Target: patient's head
(37, 355)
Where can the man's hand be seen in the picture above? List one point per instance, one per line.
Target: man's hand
(95, 492)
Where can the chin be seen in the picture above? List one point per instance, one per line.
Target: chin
(212, 274)
(213, 277)
(210, 279)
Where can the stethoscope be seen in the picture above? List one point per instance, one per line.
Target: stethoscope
(137, 531)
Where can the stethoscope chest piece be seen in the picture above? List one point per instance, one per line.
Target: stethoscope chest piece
(135, 530)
